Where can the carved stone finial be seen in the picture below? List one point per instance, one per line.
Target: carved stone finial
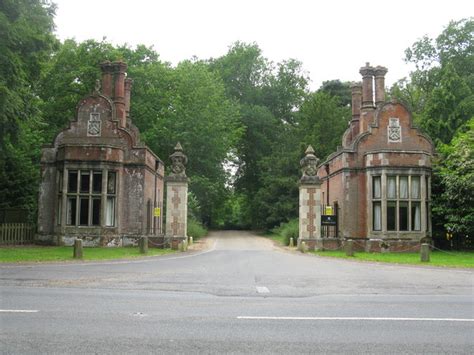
(178, 162)
(309, 166)
(97, 87)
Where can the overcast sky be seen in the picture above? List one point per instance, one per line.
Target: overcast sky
(332, 38)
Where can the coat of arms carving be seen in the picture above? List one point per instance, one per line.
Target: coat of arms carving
(394, 131)
(94, 125)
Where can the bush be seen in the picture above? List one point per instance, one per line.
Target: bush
(196, 229)
(288, 230)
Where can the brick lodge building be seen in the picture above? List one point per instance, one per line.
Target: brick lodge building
(99, 182)
(380, 178)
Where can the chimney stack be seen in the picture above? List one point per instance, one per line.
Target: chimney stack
(128, 89)
(119, 92)
(107, 70)
(356, 104)
(380, 85)
(367, 73)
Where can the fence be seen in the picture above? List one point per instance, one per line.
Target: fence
(16, 233)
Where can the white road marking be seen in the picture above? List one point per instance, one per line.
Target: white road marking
(19, 311)
(361, 318)
(262, 289)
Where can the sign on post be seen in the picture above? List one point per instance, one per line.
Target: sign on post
(157, 212)
(328, 220)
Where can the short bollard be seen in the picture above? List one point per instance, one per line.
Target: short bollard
(425, 253)
(349, 247)
(77, 249)
(191, 241)
(303, 248)
(143, 244)
(292, 243)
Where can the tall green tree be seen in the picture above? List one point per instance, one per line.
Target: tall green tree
(26, 43)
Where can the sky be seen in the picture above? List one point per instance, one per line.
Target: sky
(332, 38)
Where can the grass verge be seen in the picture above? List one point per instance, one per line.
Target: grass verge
(438, 258)
(274, 236)
(19, 254)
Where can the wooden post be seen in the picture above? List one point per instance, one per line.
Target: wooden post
(349, 247)
(425, 252)
(143, 244)
(77, 249)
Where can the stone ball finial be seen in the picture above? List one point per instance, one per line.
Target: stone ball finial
(309, 166)
(178, 162)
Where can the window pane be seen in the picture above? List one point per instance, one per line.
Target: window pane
(72, 181)
(85, 181)
(97, 182)
(391, 216)
(71, 211)
(415, 187)
(377, 209)
(403, 186)
(416, 216)
(84, 212)
(427, 187)
(96, 212)
(403, 215)
(59, 211)
(111, 182)
(60, 181)
(376, 187)
(391, 187)
(110, 212)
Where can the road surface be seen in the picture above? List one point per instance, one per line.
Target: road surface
(238, 294)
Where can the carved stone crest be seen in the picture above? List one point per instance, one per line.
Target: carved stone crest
(309, 166)
(94, 124)
(394, 131)
(178, 162)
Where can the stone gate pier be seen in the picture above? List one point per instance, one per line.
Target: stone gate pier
(177, 198)
(309, 201)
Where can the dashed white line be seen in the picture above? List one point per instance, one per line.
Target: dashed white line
(262, 289)
(18, 311)
(360, 318)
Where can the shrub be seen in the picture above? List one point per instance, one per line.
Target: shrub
(288, 230)
(196, 229)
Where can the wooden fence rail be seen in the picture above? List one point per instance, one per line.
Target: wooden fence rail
(16, 233)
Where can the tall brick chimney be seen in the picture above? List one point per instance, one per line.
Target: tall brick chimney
(128, 89)
(380, 84)
(367, 73)
(119, 92)
(367, 108)
(356, 104)
(107, 85)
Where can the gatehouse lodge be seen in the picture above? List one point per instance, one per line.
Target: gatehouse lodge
(379, 179)
(99, 182)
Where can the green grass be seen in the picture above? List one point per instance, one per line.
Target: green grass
(20, 254)
(276, 237)
(438, 258)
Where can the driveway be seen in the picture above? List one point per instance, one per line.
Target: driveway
(239, 294)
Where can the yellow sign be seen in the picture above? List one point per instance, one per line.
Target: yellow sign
(328, 211)
(157, 212)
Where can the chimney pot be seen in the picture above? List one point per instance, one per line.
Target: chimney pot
(367, 73)
(119, 91)
(380, 84)
(107, 69)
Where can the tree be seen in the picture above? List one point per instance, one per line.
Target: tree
(441, 89)
(26, 42)
(455, 205)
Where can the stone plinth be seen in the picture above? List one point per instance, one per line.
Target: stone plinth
(176, 211)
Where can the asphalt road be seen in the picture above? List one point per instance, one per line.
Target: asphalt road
(238, 294)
